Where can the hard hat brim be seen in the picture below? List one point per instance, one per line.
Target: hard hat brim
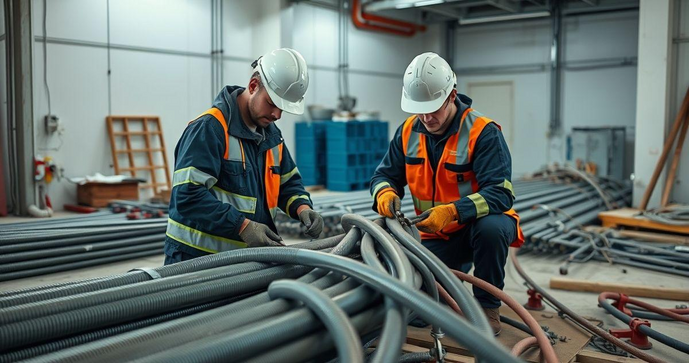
(415, 107)
(295, 108)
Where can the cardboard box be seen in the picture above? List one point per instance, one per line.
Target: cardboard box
(100, 194)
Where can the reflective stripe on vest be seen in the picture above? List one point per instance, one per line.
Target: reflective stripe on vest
(454, 177)
(200, 240)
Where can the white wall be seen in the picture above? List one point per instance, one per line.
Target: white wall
(595, 97)
(680, 192)
(160, 65)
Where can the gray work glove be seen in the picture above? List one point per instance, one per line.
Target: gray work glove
(259, 235)
(313, 222)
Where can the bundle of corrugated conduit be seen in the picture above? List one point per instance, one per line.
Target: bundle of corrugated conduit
(319, 300)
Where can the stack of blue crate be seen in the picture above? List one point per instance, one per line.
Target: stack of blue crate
(354, 150)
(310, 150)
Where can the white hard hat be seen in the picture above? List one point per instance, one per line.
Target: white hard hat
(427, 82)
(284, 75)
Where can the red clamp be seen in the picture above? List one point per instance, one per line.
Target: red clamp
(637, 338)
(535, 300)
(621, 304)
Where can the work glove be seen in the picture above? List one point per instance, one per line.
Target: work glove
(388, 203)
(436, 218)
(259, 235)
(313, 222)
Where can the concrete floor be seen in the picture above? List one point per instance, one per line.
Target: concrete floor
(540, 268)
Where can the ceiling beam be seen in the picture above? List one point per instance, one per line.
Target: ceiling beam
(591, 2)
(506, 5)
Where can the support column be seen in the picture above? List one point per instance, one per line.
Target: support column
(653, 93)
(20, 100)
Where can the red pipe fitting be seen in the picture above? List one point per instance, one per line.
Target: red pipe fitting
(637, 338)
(621, 304)
(535, 301)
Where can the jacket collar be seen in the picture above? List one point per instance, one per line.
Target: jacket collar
(226, 102)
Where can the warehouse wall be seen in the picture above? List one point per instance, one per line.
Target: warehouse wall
(592, 96)
(680, 192)
(160, 65)
(376, 61)
(161, 68)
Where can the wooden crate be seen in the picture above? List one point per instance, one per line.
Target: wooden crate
(100, 194)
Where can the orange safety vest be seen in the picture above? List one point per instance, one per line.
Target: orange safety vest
(234, 150)
(454, 177)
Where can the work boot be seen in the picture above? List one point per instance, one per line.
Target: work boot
(493, 316)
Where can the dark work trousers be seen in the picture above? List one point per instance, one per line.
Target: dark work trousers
(485, 242)
(174, 253)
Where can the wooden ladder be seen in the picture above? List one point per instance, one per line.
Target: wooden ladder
(120, 127)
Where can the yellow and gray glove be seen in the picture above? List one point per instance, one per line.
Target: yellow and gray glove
(313, 222)
(388, 203)
(256, 234)
(437, 218)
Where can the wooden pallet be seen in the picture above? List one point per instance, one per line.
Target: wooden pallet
(577, 339)
(630, 217)
(584, 356)
(125, 128)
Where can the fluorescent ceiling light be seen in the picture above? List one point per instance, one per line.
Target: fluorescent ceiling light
(428, 2)
(404, 5)
(491, 19)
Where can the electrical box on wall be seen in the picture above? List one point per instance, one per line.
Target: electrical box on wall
(52, 123)
(602, 147)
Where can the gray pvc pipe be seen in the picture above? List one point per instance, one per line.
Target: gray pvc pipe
(336, 321)
(393, 332)
(455, 288)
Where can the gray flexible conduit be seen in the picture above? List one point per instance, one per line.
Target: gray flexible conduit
(249, 340)
(393, 333)
(78, 321)
(462, 331)
(345, 336)
(455, 288)
(88, 352)
(30, 295)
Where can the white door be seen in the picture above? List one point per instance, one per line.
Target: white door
(496, 101)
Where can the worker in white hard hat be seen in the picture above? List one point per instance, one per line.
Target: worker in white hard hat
(458, 169)
(232, 169)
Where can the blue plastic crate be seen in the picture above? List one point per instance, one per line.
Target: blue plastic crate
(312, 175)
(310, 143)
(346, 186)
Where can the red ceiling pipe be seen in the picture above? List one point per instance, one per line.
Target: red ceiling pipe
(361, 20)
(390, 21)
